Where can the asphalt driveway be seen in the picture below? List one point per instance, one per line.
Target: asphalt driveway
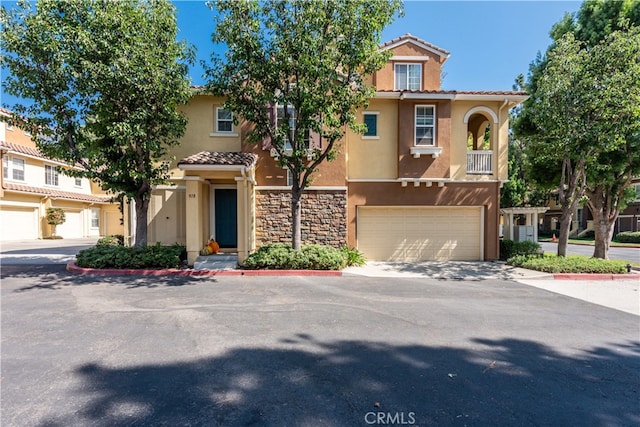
(309, 351)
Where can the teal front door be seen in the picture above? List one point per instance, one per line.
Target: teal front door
(226, 217)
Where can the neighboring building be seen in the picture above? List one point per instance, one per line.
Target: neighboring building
(30, 184)
(628, 219)
(421, 184)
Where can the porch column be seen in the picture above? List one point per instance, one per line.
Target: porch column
(194, 226)
(510, 225)
(243, 219)
(535, 226)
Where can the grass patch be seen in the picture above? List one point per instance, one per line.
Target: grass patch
(569, 264)
(147, 257)
(280, 256)
(591, 242)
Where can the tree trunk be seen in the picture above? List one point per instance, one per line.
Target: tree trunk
(565, 229)
(604, 204)
(296, 214)
(142, 208)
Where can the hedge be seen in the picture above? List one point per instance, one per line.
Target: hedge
(280, 256)
(569, 264)
(510, 248)
(628, 237)
(151, 257)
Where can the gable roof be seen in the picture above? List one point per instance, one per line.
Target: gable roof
(410, 38)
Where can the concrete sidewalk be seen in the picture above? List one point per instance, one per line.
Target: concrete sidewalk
(623, 295)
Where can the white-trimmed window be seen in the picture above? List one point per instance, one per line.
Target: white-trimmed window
(289, 178)
(425, 125)
(224, 120)
(50, 175)
(280, 118)
(636, 188)
(77, 182)
(371, 122)
(408, 76)
(13, 168)
(95, 218)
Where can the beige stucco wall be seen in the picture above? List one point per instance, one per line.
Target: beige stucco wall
(201, 111)
(431, 68)
(375, 158)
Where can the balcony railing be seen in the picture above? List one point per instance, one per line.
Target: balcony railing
(480, 162)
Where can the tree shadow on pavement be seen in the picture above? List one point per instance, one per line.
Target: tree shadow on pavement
(55, 276)
(453, 270)
(306, 382)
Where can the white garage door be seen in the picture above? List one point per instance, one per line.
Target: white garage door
(420, 233)
(72, 227)
(18, 224)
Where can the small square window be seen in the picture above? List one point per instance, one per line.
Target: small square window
(224, 120)
(371, 122)
(77, 182)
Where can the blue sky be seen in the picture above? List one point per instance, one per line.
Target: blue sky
(490, 42)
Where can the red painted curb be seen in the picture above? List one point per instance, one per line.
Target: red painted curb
(594, 276)
(73, 268)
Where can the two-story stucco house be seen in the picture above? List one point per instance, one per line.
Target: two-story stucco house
(30, 183)
(423, 183)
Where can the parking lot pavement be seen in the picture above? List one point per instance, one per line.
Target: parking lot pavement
(45, 251)
(340, 351)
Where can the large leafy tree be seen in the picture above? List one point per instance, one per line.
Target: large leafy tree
(589, 29)
(615, 101)
(103, 79)
(308, 59)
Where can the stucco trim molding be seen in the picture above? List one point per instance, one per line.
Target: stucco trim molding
(418, 151)
(480, 109)
(409, 58)
(288, 188)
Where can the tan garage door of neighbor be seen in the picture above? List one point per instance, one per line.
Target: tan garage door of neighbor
(18, 223)
(420, 233)
(72, 227)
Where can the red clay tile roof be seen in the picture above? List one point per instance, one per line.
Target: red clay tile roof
(9, 186)
(217, 158)
(29, 151)
(462, 92)
(416, 39)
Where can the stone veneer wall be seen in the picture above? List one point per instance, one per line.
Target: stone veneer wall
(324, 217)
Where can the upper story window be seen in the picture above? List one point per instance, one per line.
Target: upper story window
(77, 182)
(291, 113)
(408, 76)
(50, 175)
(371, 122)
(224, 120)
(636, 188)
(425, 125)
(13, 168)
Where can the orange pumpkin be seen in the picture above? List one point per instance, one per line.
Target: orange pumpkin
(214, 247)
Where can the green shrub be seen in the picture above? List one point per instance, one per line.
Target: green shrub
(628, 237)
(509, 248)
(355, 258)
(280, 256)
(114, 240)
(109, 256)
(569, 264)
